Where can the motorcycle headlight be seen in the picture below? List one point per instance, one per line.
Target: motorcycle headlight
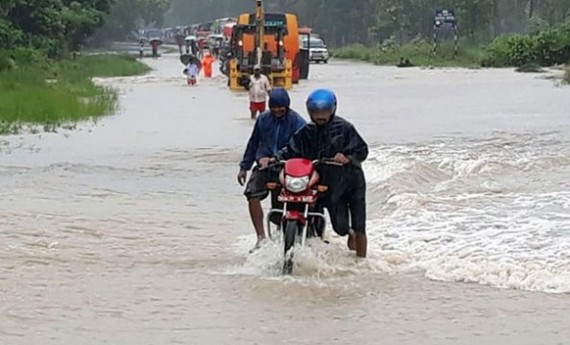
(296, 184)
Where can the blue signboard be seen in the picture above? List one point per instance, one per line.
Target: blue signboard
(445, 19)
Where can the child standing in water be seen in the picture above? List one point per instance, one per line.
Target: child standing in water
(191, 72)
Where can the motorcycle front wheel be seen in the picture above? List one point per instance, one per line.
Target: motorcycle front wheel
(290, 232)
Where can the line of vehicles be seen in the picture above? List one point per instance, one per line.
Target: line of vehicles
(273, 41)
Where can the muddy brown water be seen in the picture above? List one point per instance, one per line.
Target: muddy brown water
(133, 230)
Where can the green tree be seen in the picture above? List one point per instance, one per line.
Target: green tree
(371, 21)
(81, 21)
(128, 15)
(50, 25)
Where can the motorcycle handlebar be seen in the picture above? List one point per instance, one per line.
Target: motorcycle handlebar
(328, 161)
(273, 164)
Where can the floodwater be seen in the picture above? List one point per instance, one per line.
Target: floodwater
(133, 230)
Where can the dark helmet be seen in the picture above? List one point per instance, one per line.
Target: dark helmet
(279, 97)
(321, 99)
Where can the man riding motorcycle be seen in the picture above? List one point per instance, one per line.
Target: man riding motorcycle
(332, 136)
(272, 130)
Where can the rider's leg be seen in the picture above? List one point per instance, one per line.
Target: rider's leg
(353, 200)
(337, 206)
(255, 191)
(256, 214)
(317, 222)
(361, 243)
(351, 244)
(357, 206)
(275, 204)
(338, 212)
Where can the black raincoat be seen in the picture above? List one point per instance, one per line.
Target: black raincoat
(347, 186)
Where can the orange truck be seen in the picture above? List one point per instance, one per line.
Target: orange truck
(269, 40)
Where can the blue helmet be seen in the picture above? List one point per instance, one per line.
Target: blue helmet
(278, 97)
(321, 99)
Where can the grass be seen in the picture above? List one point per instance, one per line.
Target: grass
(420, 53)
(52, 94)
(567, 75)
(104, 66)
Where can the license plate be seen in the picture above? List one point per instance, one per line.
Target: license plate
(294, 198)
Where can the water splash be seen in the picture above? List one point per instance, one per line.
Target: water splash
(493, 211)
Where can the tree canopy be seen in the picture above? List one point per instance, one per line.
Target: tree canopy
(57, 26)
(50, 25)
(127, 15)
(371, 21)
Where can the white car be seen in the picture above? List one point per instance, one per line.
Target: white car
(317, 49)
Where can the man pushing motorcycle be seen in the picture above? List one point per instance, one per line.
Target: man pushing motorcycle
(330, 136)
(272, 130)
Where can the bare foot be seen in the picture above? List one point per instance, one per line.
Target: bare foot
(260, 241)
(351, 242)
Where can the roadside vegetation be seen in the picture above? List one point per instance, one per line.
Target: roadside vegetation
(547, 47)
(544, 48)
(419, 53)
(44, 79)
(36, 91)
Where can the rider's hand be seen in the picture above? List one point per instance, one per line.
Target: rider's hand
(241, 177)
(264, 162)
(341, 158)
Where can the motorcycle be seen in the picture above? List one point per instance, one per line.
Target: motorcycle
(301, 216)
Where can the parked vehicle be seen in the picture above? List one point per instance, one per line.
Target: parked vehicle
(317, 49)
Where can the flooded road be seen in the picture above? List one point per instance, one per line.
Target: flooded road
(134, 231)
